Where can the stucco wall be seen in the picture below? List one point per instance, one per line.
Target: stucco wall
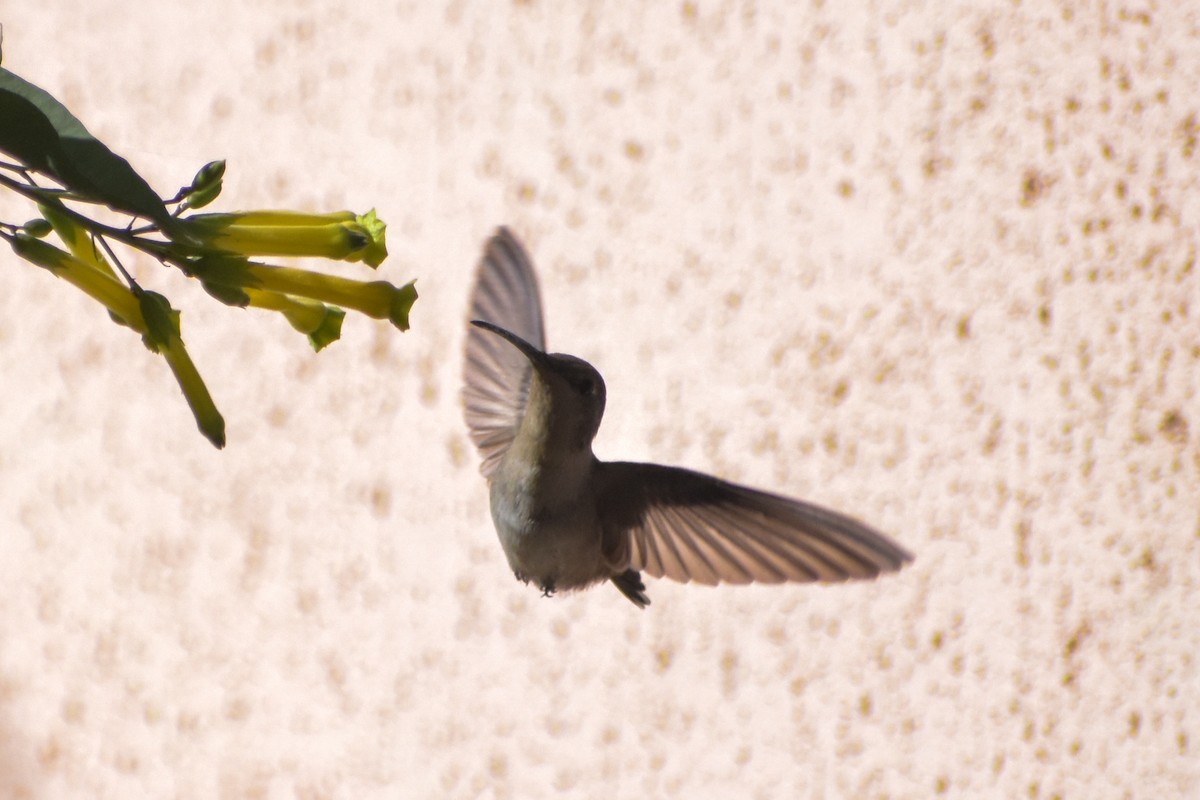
(932, 264)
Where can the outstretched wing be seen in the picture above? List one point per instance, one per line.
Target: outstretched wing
(496, 374)
(684, 525)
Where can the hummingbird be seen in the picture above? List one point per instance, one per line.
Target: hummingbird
(567, 520)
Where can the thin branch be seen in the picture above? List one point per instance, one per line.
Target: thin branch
(116, 261)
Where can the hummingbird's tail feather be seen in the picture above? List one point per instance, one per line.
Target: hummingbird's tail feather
(631, 585)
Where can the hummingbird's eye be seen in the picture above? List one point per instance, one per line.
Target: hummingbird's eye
(585, 386)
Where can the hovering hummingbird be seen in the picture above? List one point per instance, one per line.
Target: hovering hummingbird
(567, 520)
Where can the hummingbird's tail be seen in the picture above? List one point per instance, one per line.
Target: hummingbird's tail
(630, 584)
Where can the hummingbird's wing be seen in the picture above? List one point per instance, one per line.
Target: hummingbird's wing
(684, 525)
(496, 374)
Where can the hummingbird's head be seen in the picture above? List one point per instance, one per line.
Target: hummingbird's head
(566, 394)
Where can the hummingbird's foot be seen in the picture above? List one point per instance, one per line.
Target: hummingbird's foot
(548, 588)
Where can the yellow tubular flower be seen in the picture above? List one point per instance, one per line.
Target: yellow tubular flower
(146, 312)
(342, 235)
(376, 299)
(163, 337)
(321, 323)
(76, 238)
(89, 279)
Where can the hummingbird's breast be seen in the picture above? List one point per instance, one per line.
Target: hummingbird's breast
(545, 516)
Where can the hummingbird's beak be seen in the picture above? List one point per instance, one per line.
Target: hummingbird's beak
(535, 356)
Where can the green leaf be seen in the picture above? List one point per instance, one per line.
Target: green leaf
(41, 133)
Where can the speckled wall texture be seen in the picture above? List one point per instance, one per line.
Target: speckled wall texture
(929, 263)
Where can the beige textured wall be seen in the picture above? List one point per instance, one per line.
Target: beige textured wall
(930, 263)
